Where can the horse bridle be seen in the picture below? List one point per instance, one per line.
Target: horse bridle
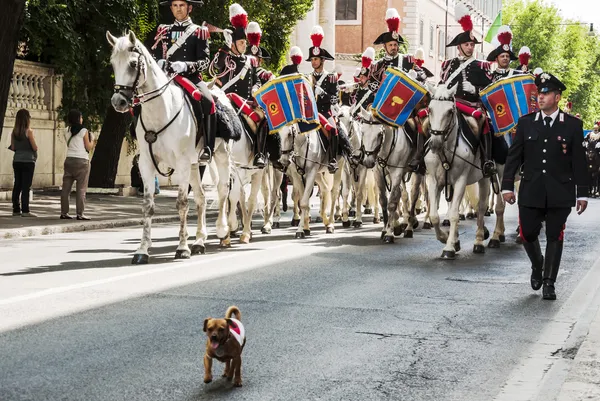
(449, 126)
(377, 148)
(118, 88)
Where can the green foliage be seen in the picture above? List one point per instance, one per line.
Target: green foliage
(559, 46)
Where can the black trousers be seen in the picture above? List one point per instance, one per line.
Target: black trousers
(531, 218)
(23, 179)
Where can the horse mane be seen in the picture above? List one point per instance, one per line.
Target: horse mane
(442, 92)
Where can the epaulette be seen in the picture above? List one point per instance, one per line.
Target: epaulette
(410, 59)
(333, 78)
(162, 30)
(253, 61)
(203, 33)
(486, 65)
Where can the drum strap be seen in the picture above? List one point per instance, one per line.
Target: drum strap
(182, 39)
(360, 103)
(240, 75)
(460, 69)
(319, 82)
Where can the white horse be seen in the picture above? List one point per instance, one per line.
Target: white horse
(452, 165)
(309, 157)
(271, 190)
(389, 150)
(166, 133)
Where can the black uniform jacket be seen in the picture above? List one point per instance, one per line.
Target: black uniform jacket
(194, 52)
(330, 87)
(379, 67)
(553, 172)
(229, 65)
(477, 73)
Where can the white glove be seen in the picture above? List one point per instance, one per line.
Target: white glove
(161, 63)
(598, 145)
(179, 67)
(319, 91)
(468, 87)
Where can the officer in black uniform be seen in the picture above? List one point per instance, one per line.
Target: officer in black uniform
(325, 85)
(235, 72)
(548, 149)
(189, 59)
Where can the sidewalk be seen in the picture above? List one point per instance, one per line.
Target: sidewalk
(106, 211)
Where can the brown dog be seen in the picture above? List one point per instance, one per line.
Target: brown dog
(226, 340)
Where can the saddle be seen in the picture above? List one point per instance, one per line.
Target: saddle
(253, 117)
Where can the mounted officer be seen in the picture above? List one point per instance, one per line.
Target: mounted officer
(471, 75)
(182, 48)
(549, 152)
(236, 74)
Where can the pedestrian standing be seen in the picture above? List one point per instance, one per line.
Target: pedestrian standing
(77, 165)
(22, 142)
(554, 178)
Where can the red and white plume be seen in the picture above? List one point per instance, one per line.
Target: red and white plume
(419, 57)
(524, 55)
(296, 55)
(254, 33)
(504, 35)
(392, 19)
(463, 16)
(238, 16)
(368, 57)
(317, 35)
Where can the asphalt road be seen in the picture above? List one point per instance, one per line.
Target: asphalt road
(334, 317)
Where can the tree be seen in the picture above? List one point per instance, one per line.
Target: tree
(11, 20)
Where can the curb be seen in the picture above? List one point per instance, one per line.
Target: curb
(93, 226)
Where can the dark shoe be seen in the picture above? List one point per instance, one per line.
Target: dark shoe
(549, 292)
(82, 217)
(534, 253)
(16, 213)
(489, 169)
(66, 217)
(332, 166)
(206, 156)
(260, 160)
(28, 214)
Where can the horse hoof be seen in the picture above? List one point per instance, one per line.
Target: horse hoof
(418, 211)
(352, 213)
(461, 217)
(357, 224)
(446, 223)
(427, 226)
(139, 259)
(519, 240)
(408, 234)
(502, 238)
(295, 222)
(448, 255)
(182, 254)
(198, 249)
(470, 216)
(233, 234)
(480, 249)
(307, 232)
(265, 230)
(276, 225)
(317, 220)
(398, 230)
(376, 220)
(415, 225)
(388, 239)
(494, 244)
(329, 230)
(346, 224)
(486, 233)
(368, 211)
(457, 246)
(382, 235)
(487, 213)
(300, 235)
(225, 243)
(245, 239)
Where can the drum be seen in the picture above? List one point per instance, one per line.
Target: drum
(397, 97)
(288, 100)
(508, 99)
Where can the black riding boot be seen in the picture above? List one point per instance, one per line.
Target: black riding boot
(260, 161)
(209, 126)
(488, 167)
(551, 266)
(537, 263)
(332, 152)
(417, 164)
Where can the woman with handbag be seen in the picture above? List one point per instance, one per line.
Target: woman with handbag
(77, 165)
(22, 142)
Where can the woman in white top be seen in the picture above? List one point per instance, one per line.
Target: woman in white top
(77, 165)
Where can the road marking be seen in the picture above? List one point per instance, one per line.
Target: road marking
(542, 372)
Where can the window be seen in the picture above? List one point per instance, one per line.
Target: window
(431, 39)
(441, 43)
(348, 12)
(421, 32)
